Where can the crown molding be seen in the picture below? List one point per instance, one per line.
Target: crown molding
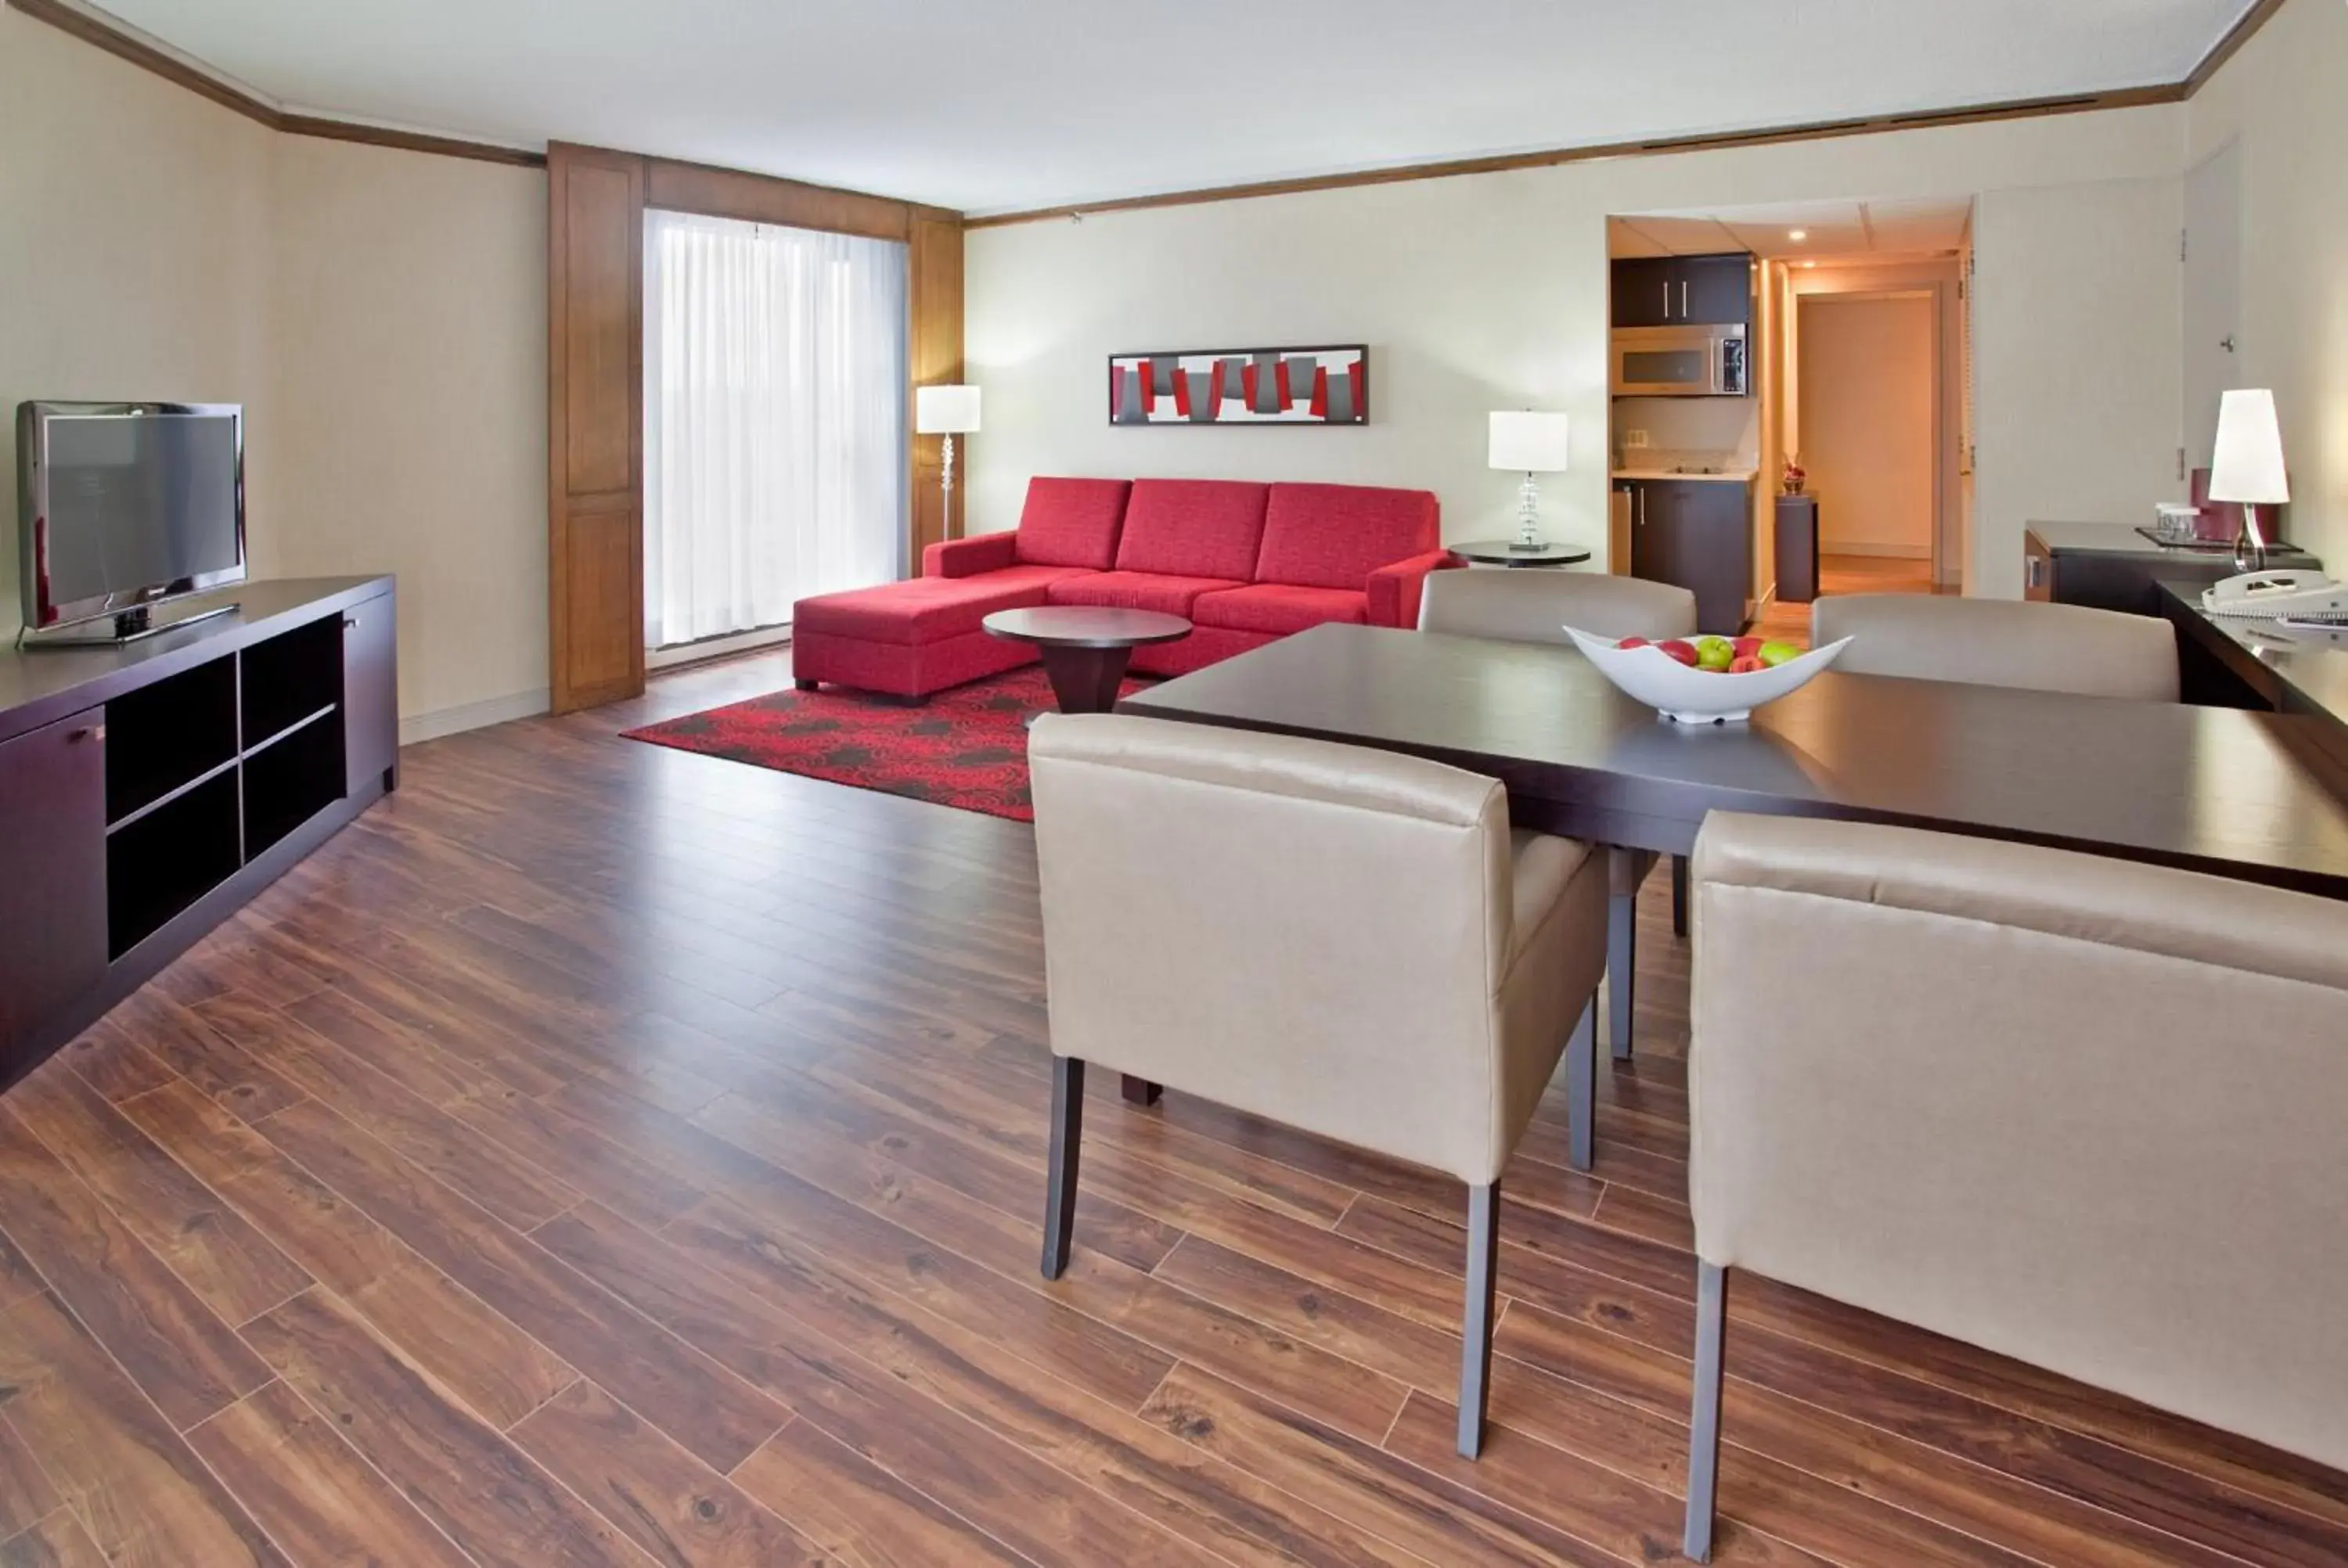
(126, 43)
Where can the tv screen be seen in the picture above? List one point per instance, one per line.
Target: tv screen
(132, 503)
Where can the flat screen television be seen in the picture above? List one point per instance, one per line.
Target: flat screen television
(122, 506)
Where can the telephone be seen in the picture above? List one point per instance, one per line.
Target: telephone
(2277, 596)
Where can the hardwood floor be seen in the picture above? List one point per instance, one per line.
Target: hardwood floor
(1845, 574)
(602, 1155)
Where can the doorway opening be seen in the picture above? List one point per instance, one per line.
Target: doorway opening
(1860, 397)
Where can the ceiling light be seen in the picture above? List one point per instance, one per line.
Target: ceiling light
(1797, 233)
(1809, 263)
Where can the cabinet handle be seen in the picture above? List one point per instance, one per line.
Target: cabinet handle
(1641, 493)
(1684, 313)
(1667, 299)
(87, 732)
(350, 623)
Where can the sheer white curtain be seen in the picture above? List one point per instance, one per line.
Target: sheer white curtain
(774, 421)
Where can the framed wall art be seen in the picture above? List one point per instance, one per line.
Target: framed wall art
(1241, 386)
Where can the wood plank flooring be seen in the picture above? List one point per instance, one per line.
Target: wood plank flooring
(598, 1154)
(1786, 622)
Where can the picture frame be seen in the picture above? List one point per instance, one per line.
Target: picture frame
(1316, 385)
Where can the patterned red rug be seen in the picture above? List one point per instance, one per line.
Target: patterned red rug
(966, 747)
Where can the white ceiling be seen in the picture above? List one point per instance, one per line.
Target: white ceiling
(998, 105)
(1841, 231)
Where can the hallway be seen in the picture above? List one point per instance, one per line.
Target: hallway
(1782, 622)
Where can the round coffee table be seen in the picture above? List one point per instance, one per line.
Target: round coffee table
(1507, 552)
(1085, 647)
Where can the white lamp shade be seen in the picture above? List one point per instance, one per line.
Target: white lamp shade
(1527, 442)
(2248, 466)
(945, 410)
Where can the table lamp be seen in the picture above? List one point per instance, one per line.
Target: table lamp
(2247, 468)
(1528, 443)
(947, 411)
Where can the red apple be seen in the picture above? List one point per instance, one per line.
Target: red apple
(1683, 651)
(1634, 642)
(1746, 647)
(1746, 664)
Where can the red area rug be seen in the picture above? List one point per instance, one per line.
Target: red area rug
(965, 748)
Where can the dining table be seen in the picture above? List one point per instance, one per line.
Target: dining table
(2259, 796)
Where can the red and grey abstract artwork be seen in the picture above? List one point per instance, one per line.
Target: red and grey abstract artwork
(1241, 386)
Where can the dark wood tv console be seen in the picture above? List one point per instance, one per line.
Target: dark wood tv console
(149, 790)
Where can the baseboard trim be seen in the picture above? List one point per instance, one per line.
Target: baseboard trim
(431, 726)
(684, 653)
(1885, 552)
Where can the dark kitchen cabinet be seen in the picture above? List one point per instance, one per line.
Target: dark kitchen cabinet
(1699, 535)
(1684, 291)
(53, 862)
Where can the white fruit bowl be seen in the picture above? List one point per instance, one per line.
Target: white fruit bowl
(1687, 696)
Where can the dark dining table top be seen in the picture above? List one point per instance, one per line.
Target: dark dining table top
(2259, 796)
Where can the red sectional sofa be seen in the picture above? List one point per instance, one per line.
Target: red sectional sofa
(1245, 562)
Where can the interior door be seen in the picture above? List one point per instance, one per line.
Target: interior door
(2213, 295)
(595, 422)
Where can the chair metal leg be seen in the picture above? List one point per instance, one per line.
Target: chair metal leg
(1623, 870)
(1582, 1085)
(1704, 1425)
(1067, 1128)
(1679, 894)
(1475, 1329)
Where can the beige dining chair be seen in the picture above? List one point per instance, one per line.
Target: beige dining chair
(1528, 604)
(2073, 1110)
(1349, 941)
(2001, 642)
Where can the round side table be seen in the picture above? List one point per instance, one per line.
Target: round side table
(1507, 552)
(1085, 647)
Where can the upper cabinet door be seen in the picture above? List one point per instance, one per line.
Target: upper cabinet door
(1646, 292)
(1713, 291)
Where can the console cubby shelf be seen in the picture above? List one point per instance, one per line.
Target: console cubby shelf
(154, 787)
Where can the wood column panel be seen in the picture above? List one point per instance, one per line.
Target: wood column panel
(595, 418)
(934, 357)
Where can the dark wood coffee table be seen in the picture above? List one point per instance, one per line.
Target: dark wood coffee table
(1085, 647)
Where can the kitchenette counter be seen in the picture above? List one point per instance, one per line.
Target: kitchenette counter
(1716, 476)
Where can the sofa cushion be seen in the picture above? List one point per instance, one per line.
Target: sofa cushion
(1334, 536)
(1071, 522)
(1193, 528)
(1279, 607)
(1160, 591)
(925, 609)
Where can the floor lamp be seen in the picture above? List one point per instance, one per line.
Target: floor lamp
(947, 411)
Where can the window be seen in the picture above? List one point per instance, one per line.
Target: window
(774, 421)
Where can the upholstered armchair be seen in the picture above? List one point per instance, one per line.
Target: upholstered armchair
(1526, 605)
(2073, 1110)
(1347, 941)
(1529, 605)
(2001, 642)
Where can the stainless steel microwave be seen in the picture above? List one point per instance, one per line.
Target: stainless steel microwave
(1681, 362)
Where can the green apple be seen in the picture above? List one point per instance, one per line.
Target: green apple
(1714, 652)
(1776, 654)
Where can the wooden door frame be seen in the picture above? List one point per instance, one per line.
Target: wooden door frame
(933, 355)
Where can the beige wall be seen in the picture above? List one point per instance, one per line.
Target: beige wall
(134, 249)
(409, 427)
(1489, 291)
(2281, 97)
(2078, 361)
(1867, 418)
(381, 316)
